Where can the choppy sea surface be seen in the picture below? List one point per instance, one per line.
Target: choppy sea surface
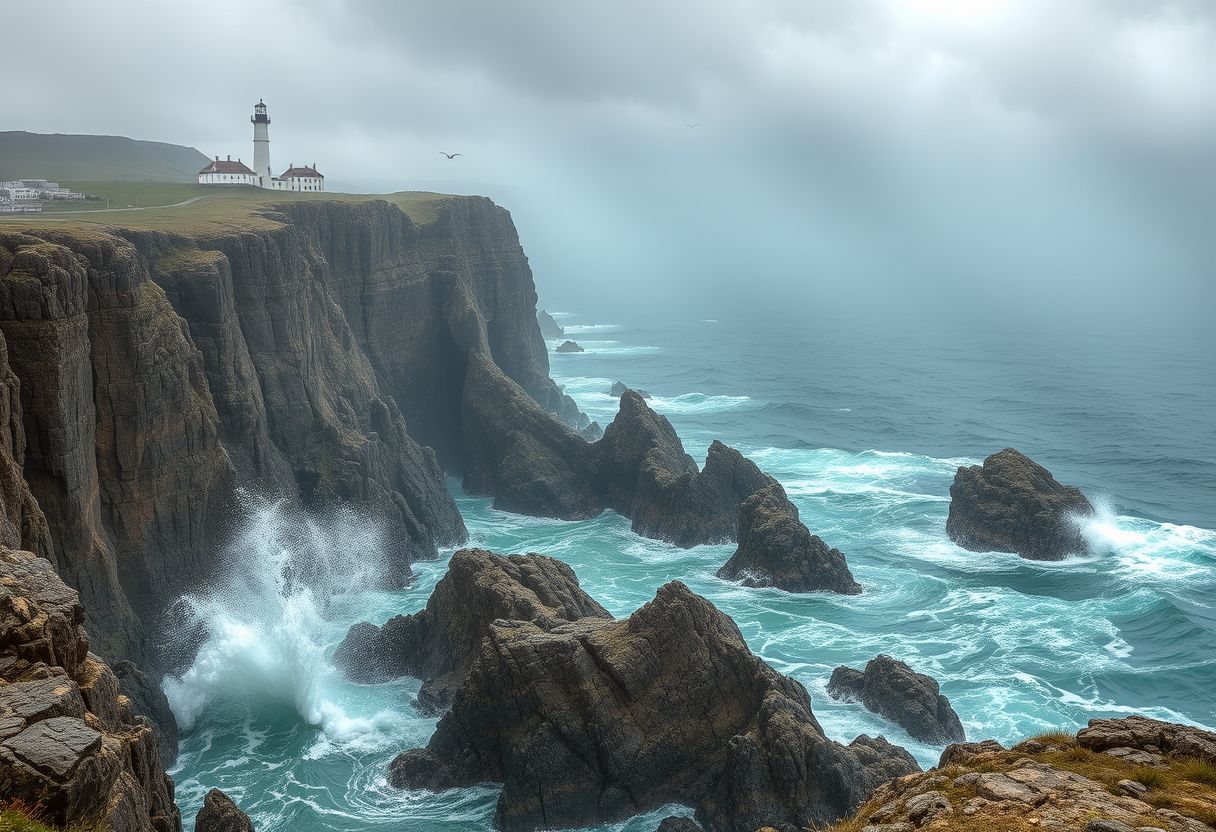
(865, 430)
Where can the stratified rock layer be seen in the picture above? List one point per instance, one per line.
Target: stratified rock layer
(776, 549)
(69, 741)
(909, 699)
(1013, 504)
(597, 720)
(439, 644)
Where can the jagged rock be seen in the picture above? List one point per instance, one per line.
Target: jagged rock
(148, 700)
(220, 814)
(1012, 504)
(961, 753)
(69, 742)
(909, 699)
(592, 432)
(569, 346)
(597, 720)
(1148, 735)
(549, 328)
(776, 549)
(618, 389)
(439, 644)
(529, 461)
(644, 474)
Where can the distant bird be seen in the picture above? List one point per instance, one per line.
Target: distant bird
(450, 155)
(692, 125)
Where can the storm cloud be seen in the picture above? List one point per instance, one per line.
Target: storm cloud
(959, 159)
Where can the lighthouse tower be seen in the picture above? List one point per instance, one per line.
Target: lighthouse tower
(261, 144)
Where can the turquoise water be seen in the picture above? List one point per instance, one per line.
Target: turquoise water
(865, 431)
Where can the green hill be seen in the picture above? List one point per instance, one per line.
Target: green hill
(95, 158)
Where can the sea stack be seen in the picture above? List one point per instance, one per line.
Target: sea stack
(776, 549)
(549, 329)
(570, 346)
(1013, 504)
(911, 700)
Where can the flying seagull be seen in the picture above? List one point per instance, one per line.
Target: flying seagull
(450, 155)
(692, 125)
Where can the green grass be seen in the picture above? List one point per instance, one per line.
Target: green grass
(1054, 738)
(19, 817)
(95, 158)
(216, 209)
(1151, 777)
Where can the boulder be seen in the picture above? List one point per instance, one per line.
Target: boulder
(644, 474)
(220, 814)
(438, 644)
(1148, 735)
(776, 549)
(1012, 504)
(597, 720)
(569, 346)
(549, 328)
(907, 698)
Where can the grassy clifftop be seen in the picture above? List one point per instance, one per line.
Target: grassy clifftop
(188, 208)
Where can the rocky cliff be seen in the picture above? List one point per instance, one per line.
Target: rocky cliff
(320, 354)
(69, 741)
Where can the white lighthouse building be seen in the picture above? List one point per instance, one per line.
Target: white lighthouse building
(228, 172)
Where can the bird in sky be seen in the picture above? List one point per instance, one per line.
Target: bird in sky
(692, 125)
(450, 155)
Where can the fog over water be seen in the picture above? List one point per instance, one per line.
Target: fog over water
(1032, 163)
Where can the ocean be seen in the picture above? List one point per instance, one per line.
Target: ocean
(865, 428)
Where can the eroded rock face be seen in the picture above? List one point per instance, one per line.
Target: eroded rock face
(644, 474)
(1013, 504)
(909, 699)
(549, 328)
(596, 720)
(68, 739)
(220, 814)
(776, 549)
(148, 700)
(439, 644)
(1148, 735)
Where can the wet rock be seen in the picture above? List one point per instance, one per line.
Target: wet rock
(1012, 504)
(912, 700)
(674, 824)
(220, 814)
(549, 328)
(569, 346)
(439, 644)
(776, 549)
(644, 474)
(597, 720)
(618, 389)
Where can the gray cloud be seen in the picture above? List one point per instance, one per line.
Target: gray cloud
(966, 156)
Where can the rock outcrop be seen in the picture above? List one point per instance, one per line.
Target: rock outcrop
(644, 474)
(1053, 782)
(438, 644)
(1149, 735)
(618, 389)
(911, 700)
(220, 814)
(148, 700)
(549, 329)
(776, 549)
(569, 346)
(69, 741)
(676, 824)
(1013, 504)
(597, 720)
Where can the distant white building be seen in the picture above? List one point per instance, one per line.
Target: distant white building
(228, 172)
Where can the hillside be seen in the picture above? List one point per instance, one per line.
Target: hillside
(95, 158)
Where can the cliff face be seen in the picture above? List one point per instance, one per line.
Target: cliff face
(150, 376)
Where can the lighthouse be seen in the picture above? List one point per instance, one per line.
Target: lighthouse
(261, 144)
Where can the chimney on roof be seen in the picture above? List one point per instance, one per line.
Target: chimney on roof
(217, 158)
(229, 157)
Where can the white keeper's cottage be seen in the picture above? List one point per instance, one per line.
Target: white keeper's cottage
(228, 172)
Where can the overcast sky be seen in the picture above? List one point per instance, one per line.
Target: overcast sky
(1054, 159)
